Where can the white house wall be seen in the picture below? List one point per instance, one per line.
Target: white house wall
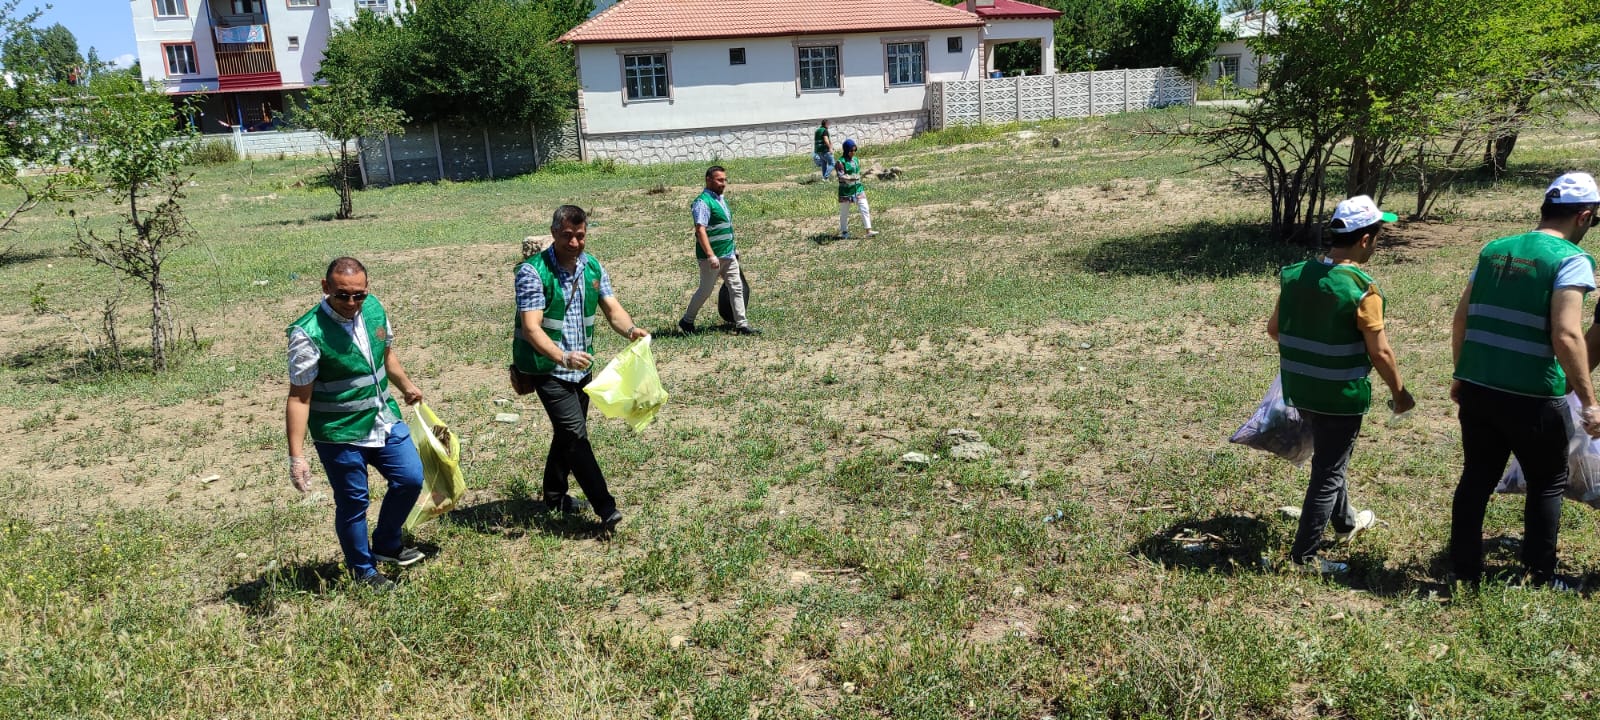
(151, 33)
(312, 25)
(1249, 64)
(708, 92)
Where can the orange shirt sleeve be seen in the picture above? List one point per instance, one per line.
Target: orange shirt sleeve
(1369, 312)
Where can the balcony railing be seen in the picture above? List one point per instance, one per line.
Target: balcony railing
(245, 59)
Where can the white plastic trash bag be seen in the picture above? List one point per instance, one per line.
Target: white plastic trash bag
(1583, 464)
(1276, 428)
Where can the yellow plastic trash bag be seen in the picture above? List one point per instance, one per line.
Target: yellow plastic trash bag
(629, 387)
(442, 484)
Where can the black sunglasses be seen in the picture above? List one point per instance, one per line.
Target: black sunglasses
(350, 297)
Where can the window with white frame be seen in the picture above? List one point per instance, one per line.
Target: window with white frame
(904, 62)
(303, 3)
(180, 59)
(380, 7)
(172, 8)
(644, 77)
(819, 68)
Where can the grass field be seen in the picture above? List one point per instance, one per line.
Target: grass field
(1094, 310)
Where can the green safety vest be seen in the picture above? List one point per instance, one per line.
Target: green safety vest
(1508, 316)
(523, 355)
(349, 391)
(852, 170)
(720, 230)
(817, 145)
(1322, 354)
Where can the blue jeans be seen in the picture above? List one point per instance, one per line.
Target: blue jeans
(399, 463)
(824, 161)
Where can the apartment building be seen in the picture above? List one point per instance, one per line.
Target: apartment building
(244, 56)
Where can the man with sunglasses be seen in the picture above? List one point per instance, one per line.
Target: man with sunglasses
(558, 292)
(341, 362)
(1519, 348)
(1330, 331)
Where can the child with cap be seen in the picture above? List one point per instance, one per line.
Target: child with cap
(1330, 331)
(1519, 349)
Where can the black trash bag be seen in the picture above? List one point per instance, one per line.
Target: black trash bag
(725, 299)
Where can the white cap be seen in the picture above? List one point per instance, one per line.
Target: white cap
(1574, 187)
(1356, 213)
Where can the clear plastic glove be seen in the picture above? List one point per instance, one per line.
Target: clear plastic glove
(1591, 420)
(300, 473)
(575, 359)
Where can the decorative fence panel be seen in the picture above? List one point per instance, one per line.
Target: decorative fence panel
(1041, 97)
(430, 152)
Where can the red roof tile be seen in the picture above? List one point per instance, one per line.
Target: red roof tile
(1017, 10)
(647, 20)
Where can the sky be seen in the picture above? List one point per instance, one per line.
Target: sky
(106, 25)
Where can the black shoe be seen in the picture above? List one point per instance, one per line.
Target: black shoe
(402, 557)
(564, 504)
(610, 520)
(746, 330)
(686, 327)
(376, 583)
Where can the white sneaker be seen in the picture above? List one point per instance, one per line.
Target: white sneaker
(1364, 520)
(872, 233)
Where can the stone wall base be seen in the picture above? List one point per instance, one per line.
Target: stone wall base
(750, 141)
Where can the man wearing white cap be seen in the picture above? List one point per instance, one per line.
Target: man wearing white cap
(1329, 326)
(1519, 347)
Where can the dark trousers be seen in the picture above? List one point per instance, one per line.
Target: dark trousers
(1494, 426)
(1328, 494)
(570, 453)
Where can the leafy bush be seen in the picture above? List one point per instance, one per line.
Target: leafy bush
(215, 151)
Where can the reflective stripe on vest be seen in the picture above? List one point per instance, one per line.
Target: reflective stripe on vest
(1516, 317)
(1484, 337)
(1319, 348)
(350, 406)
(339, 386)
(559, 324)
(1322, 373)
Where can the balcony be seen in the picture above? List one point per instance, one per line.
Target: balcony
(244, 53)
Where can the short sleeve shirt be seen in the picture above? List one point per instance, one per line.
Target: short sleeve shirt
(530, 296)
(304, 356)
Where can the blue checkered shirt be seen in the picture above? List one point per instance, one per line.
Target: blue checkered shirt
(530, 296)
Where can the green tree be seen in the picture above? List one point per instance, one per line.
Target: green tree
(344, 111)
(1107, 34)
(1162, 33)
(478, 61)
(51, 53)
(39, 124)
(137, 151)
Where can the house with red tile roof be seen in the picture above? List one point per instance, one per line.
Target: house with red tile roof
(678, 80)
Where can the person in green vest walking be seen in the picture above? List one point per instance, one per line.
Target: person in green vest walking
(558, 292)
(341, 363)
(822, 150)
(851, 190)
(715, 250)
(1330, 331)
(1519, 348)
